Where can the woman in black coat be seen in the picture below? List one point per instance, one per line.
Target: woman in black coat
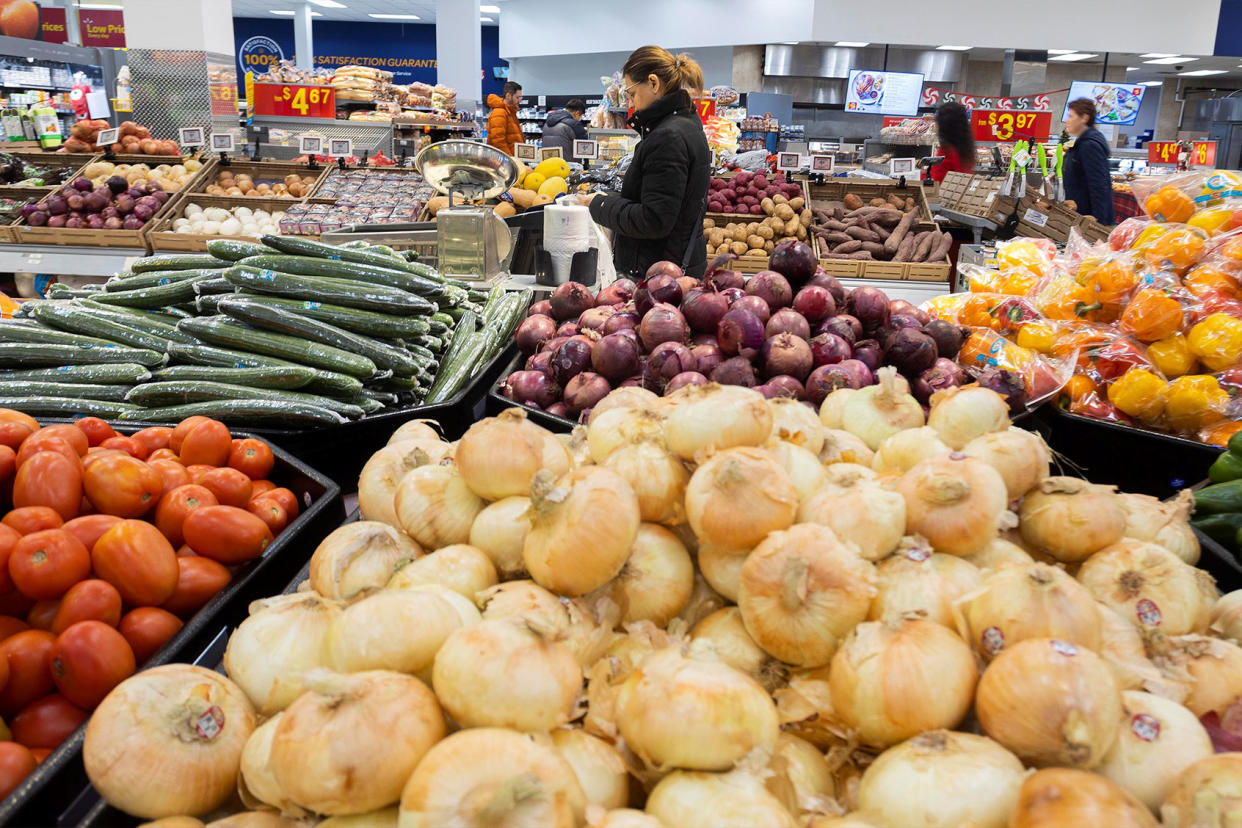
(658, 215)
(1088, 182)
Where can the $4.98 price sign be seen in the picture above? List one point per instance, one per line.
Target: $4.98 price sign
(291, 101)
(1001, 125)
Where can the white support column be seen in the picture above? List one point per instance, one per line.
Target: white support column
(459, 49)
(303, 41)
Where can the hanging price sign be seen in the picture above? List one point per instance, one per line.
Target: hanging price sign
(1163, 152)
(291, 101)
(706, 108)
(1203, 154)
(1001, 125)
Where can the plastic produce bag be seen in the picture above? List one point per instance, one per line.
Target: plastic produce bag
(1043, 376)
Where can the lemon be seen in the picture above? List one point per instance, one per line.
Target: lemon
(553, 187)
(533, 181)
(553, 168)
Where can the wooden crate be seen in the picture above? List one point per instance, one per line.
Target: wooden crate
(265, 171)
(1093, 231)
(867, 189)
(162, 236)
(1041, 219)
(874, 269)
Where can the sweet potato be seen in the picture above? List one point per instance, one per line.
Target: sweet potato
(898, 202)
(941, 249)
(862, 233)
(905, 250)
(834, 225)
(878, 202)
(909, 204)
(893, 242)
(852, 202)
(858, 254)
(850, 246)
(926, 242)
(838, 238)
(876, 250)
(889, 217)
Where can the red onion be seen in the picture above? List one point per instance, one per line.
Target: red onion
(897, 322)
(869, 353)
(725, 279)
(615, 357)
(540, 308)
(618, 293)
(636, 380)
(787, 354)
(667, 360)
(662, 287)
(828, 378)
(822, 279)
(945, 373)
(706, 357)
(1009, 384)
(584, 391)
(570, 300)
(569, 328)
(539, 361)
(704, 308)
(593, 319)
(740, 333)
(620, 320)
(1226, 734)
(734, 371)
(531, 387)
(910, 351)
(687, 284)
(632, 335)
(897, 306)
(755, 305)
(570, 359)
(794, 260)
(710, 339)
(683, 379)
(663, 323)
(772, 288)
(733, 294)
(559, 409)
(949, 337)
(553, 343)
(665, 267)
(788, 320)
(844, 326)
(870, 306)
(829, 349)
(783, 385)
(815, 303)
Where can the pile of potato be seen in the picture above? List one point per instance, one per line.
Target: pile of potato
(243, 184)
(785, 218)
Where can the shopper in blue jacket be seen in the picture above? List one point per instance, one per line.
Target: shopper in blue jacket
(564, 126)
(1087, 180)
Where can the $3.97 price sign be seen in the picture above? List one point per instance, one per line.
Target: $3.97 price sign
(1002, 125)
(292, 101)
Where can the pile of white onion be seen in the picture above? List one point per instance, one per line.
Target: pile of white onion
(712, 609)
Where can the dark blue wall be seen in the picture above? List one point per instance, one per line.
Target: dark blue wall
(407, 50)
(1229, 29)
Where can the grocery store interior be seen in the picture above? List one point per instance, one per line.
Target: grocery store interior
(665, 414)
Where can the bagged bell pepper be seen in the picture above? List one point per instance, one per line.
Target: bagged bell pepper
(1172, 356)
(1152, 314)
(1193, 402)
(1139, 393)
(1217, 341)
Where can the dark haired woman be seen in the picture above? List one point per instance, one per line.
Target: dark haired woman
(957, 141)
(658, 215)
(1088, 182)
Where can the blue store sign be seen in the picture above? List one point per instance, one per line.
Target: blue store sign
(258, 54)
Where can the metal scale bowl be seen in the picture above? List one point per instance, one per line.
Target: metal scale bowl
(473, 241)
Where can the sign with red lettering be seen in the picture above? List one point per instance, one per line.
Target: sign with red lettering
(102, 27)
(287, 100)
(1162, 152)
(53, 27)
(1001, 125)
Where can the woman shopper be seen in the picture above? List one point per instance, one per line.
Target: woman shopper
(1087, 180)
(957, 142)
(659, 213)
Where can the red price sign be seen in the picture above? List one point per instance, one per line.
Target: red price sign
(1003, 125)
(1203, 154)
(1163, 152)
(289, 101)
(223, 99)
(706, 108)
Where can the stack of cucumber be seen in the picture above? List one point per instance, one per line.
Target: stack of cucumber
(290, 332)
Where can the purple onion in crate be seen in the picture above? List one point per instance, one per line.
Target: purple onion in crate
(1009, 384)
(683, 379)
(897, 306)
(75, 202)
(783, 385)
(636, 381)
(910, 351)
(732, 294)
(829, 349)
(833, 286)
(569, 300)
(705, 339)
(663, 287)
(794, 260)
(734, 371)
(945, 373)
(706, 358)
(560, 410)
(56, 204)
(531, 387)
(869, 306)
(869, 353)
(621, 320)
(37, 219)
(615, 357)
(815, 303)
(82, 184)
(568, 329)
(844, 326)
(828, 378)
(584, 391)
(755, 305)
(740, 333)
(895, 323)
(704, 308)
(593, 319)
(56, 220)
(949, 337)
(533, 331)
(666, 360)
(569, 359)
(787, 354)
(688, 283)
(663, 323)
(539, 361)
(772, 288)
(618, 293)
(726, 279)
(542, 307)
(788, 320)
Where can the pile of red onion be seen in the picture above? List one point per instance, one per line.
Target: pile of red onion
(790, 331)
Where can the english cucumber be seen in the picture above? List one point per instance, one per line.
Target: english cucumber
(337, 291)
(39, 355)
(277, 376)
(153, 278)
(64, 407)
(243, 412)
(160, 296)
(71, 390)
(81, 321)
(325, 382)
(178, 392)
(224, 332)
(32, 332)
(307, 266)
(355, 320)
(121, 373)
(178, 261)
(233, 250)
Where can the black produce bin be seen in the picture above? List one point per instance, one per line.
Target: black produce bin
(42, 797)
(1220, 563)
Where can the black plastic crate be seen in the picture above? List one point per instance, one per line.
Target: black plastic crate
(1220, 563)
(43, 795)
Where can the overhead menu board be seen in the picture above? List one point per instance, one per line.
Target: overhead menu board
(1115, 103)
(883, 93)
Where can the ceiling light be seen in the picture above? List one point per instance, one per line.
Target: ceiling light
(1198, 73)
(490, 9)
(1152, 83)
(1062, 51)
(286, 13)
(853, 44)
(1169, 61)
(395, 16)
(1156, 55)
(953, 48)
(100, 6)
(1132, 68)
(327, 4)
(486, 20)
(1074, 56)
(791, 42)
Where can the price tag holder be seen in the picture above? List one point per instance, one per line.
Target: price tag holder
(823, 163)
(107, 137)
(788, 161)
(340, 147)
(222, 142)
(1021, 157)
(549, 152)
(190, 136)
(1202, 154)
(526, 152)
(901, 166)
(543, 100)
(706, 107)
(586, 150)
(310, 144)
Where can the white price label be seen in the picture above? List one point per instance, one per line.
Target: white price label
(190, 136)
(823, 163)
(222, 142)
(586, 150)
(525, 152)
(107, 137)
(1021, 158)
(549, 152)
(788, 161)
(310, 144)
(340, 147)
(901, 166)
(1033, 216)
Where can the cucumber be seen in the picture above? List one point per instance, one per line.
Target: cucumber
(337, 291)
(439, 328)
(368, 405)
(1219, 499)
(178, 392)
(222, 331)
(39, 355)
(327, 382)
(72, 390)
(452, 377)
(63, 407)
(1221, 528)
(34, 333)
(206, 304)
(178, 261)
(293, 376)
(121, 373)
(82, 321)
(233, 250)
(216, 284)
(154, 278)
(145, 320)
(255, 311)
(242, 412)
(465, 330)
(508, 316)
(306, 266)
(368, 323)
(155, 297)
(305, 247)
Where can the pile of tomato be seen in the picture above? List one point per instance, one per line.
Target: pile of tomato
(107, 544)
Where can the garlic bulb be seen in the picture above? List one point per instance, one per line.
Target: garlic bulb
(859, 510)
(498, 457)
(358, 556)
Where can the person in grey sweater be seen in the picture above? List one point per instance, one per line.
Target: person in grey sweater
(564, 126)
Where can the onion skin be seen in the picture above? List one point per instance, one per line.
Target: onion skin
(1071, 519)
(783, 385)
(533, 332)
(663, 323)
(869, 306)
(706, 357)
(571, 357)
(1063, 796)
(754, 304)
(1209, 792)
(701, 800)
(359, 556)
(498, 457)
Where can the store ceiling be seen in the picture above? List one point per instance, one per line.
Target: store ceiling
(359, 10)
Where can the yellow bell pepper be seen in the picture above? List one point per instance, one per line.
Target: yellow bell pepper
(1217, 341)
(1194, 401)
(1038, 336)
(1149, 235)
(1211, 221)
(1139, 393)
(1172, 356)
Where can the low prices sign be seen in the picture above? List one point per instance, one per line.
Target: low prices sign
(1164, 152)
(1001, 125)
(101, 27)
(706, 107)
(285, 100)
(53, 27)
(1202, 154)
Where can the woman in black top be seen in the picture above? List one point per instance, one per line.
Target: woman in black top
(1088, 182)
(659, 213)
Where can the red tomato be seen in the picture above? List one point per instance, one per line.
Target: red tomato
(42, 614)
(154, 438)
(15, 604)
(147, 629)
(40, 754)
(270, 512)
(171, 472)
(16, 763)
(15, 427)
(176, 506)
(95, 429)
(252, 457)
(8, 539)
(89, 600)
(10, 626)
(207, 443)
(231, 487)
(47, 722)
(32, 519)
(88, 660)
(136, 559)
(99, 453)
(226, 534)
(37, 444)
(27, 654)
(198, 580)
(73, 436)
(285, 498)
(163, 454)
(45, 564)
(123, 486)
(260, 487)
(197, 471)
(52, 480)
(182, 429)
(128, 445)
(8, 464)
(90, 528)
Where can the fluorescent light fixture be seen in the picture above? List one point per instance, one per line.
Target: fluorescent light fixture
(1199, 73)
(287, 13)
(953, 48)
(1074, 56)
(486, 20)
(1132, 68)
(100, 6)
(1169, 61)
(490, 9)
(853, 43)
(395, 16)
(1152, 83)
(1062, 51)
(327, 4)
(791, 42)
(1156, 55)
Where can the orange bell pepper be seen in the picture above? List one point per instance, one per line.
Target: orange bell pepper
(1169, 204)
(1207, 277)
(1078, 388)
(1151, 315)
(1219, 434)
(1177, 250)
(976, 311)
(1109, 285)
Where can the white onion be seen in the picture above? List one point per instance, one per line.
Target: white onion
(498, 457)
(383, 473)
(600, 770)
(359, 556)
(710, 800)
(901, 451)
(1000, 553)
(575, 442)
(1158, 740)
(657, 477)
(722, 568)
(1151, 587)
(959, 415)
(657, 578)
(726, 631)
(1021, 457)
(393, 629)
(793, 422)
(624, 818)
(383, 818)
(861, 512)
(1122, 648)
(955, 501)
(716, 417)
(805, 471)
(462, 568)
(831, 408)
(416, 430)
(630, 396)
(1164, 523)
(914, 581)
(436, 507)
(1070, 519)
(1064, 796)
(942, 778)
(256, 784)
(1209, 792)
(617, 426)
(1213, 666)
(842, 447)
(879, 411)
(1227, 616)
(586, 629)
(801, 777)
(738, 496)
(500, 531)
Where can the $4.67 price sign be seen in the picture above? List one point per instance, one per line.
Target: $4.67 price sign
(291, 101)
(1001, 125)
